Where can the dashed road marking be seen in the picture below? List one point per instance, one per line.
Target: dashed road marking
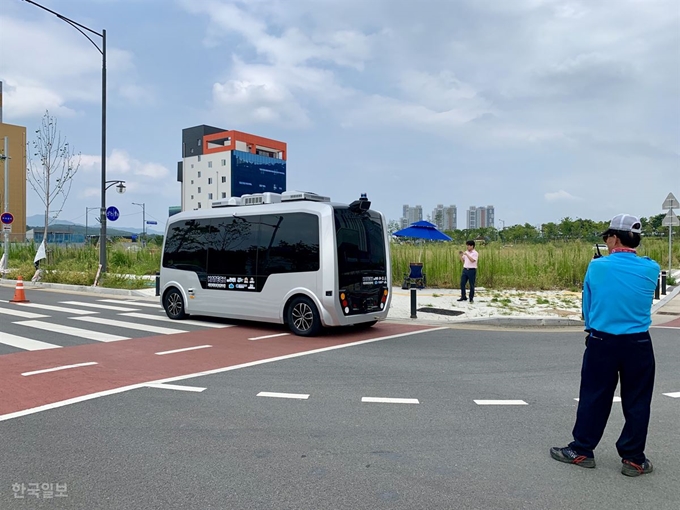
(133, 303)
(268, 336)
(299, 396)
(501, 403)
(168, 319)
(53, 308)
(95, 305)
(26, 344)
(615, 399)
(54, 369)
(175, 387)
(183, 350)
(21, 313)
(673, 395)
(382, 400)
(68, 330)
(130, 325)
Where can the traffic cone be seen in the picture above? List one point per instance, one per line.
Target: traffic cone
(19, 296)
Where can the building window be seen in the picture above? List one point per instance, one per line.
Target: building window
(224, 178)
(224, 195)
(199, 158)
(199, 205)
(209, 180)
(209, 196)
(209, 164)
(224, 162)
(198, 142)
(199, 189)
(199, 173)
(192, 165)
(192, 197)
(192, 181)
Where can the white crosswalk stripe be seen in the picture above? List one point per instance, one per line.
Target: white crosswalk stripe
(168, 319)
(20, 313)
(26, 344)
(68, 330)
(102, 307)
(130, 325)
(52, 308)
(133, 303)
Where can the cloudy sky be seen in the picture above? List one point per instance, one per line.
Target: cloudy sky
(543, 108)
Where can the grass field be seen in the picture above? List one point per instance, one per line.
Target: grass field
(547, 266)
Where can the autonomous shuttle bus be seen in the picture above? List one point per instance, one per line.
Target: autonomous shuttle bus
(293, 258)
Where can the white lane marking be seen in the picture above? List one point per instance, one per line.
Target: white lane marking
(666, 327)
(68, 330)
(501, 403)
(20, 313)
(299, 396)
(95, 305)
(381, 400)
(183, 350)
(673, 395)
(53, 308)
(130, 325)
(175, 387)
(133, 303)
(64, 367)
(25, 343)
(615, 399)
(168, 319)
(268, 336)
(122, 389)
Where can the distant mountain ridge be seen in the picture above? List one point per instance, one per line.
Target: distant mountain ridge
(38, 221)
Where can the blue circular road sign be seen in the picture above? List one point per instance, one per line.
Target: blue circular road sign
(112, 213)
(7, 218)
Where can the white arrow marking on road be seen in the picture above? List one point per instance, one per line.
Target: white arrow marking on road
(175, 387)
(501, 403)
(673, 395)
(299, 396)
(183, 350)
(59, 368)
(381, 400)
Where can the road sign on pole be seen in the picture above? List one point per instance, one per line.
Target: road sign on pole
(671, 202)
(7, 218)
(670, 220)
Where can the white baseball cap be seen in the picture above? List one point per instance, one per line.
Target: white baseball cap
(626, 223)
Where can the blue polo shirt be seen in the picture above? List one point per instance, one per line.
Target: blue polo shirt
(618, 292)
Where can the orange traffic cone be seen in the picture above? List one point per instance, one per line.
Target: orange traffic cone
(19, 296)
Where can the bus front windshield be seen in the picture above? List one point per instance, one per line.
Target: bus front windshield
(361, 247)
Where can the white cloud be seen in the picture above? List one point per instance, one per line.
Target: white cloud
(559, 196)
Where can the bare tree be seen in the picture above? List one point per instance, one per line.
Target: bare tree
(52, 164)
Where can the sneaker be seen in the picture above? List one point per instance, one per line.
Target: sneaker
(630, 468)
(462, 299)
(471, 301)
(569, 456)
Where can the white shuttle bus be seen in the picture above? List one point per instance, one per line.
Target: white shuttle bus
(293, 258)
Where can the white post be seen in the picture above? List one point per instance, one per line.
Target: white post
(670, 244)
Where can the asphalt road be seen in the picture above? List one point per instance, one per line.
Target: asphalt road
(228, 448)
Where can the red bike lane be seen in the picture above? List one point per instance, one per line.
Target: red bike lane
(107, 367)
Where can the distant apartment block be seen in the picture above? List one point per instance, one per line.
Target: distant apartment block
(446, 218)
(218, 164)
(411, 215)
(480, 217)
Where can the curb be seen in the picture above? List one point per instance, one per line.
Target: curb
(80, 288)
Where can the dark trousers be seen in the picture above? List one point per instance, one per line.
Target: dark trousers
(608, 357)
(468, 275)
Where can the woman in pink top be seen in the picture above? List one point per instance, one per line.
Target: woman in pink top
(469, 258)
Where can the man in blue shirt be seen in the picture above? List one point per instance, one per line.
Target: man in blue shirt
(617, 299)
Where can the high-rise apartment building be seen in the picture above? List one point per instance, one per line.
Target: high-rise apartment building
(218, 164)
(411, 215)
(16, 170)
(446, 218)
(480, 217)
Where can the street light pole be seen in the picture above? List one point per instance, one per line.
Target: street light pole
(143, 206)
(102, 50)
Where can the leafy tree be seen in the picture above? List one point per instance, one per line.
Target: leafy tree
(52, 174)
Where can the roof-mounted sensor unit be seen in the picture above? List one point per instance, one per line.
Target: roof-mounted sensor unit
(289, 196)
(227, 202)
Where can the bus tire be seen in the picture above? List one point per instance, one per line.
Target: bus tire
(173, 303)
(303, 317)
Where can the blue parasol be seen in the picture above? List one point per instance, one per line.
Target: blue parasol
(422, 230)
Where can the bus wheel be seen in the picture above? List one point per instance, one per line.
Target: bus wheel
(174, 304)
(303, 317)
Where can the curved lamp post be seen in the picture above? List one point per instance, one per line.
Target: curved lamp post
(102, 212)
